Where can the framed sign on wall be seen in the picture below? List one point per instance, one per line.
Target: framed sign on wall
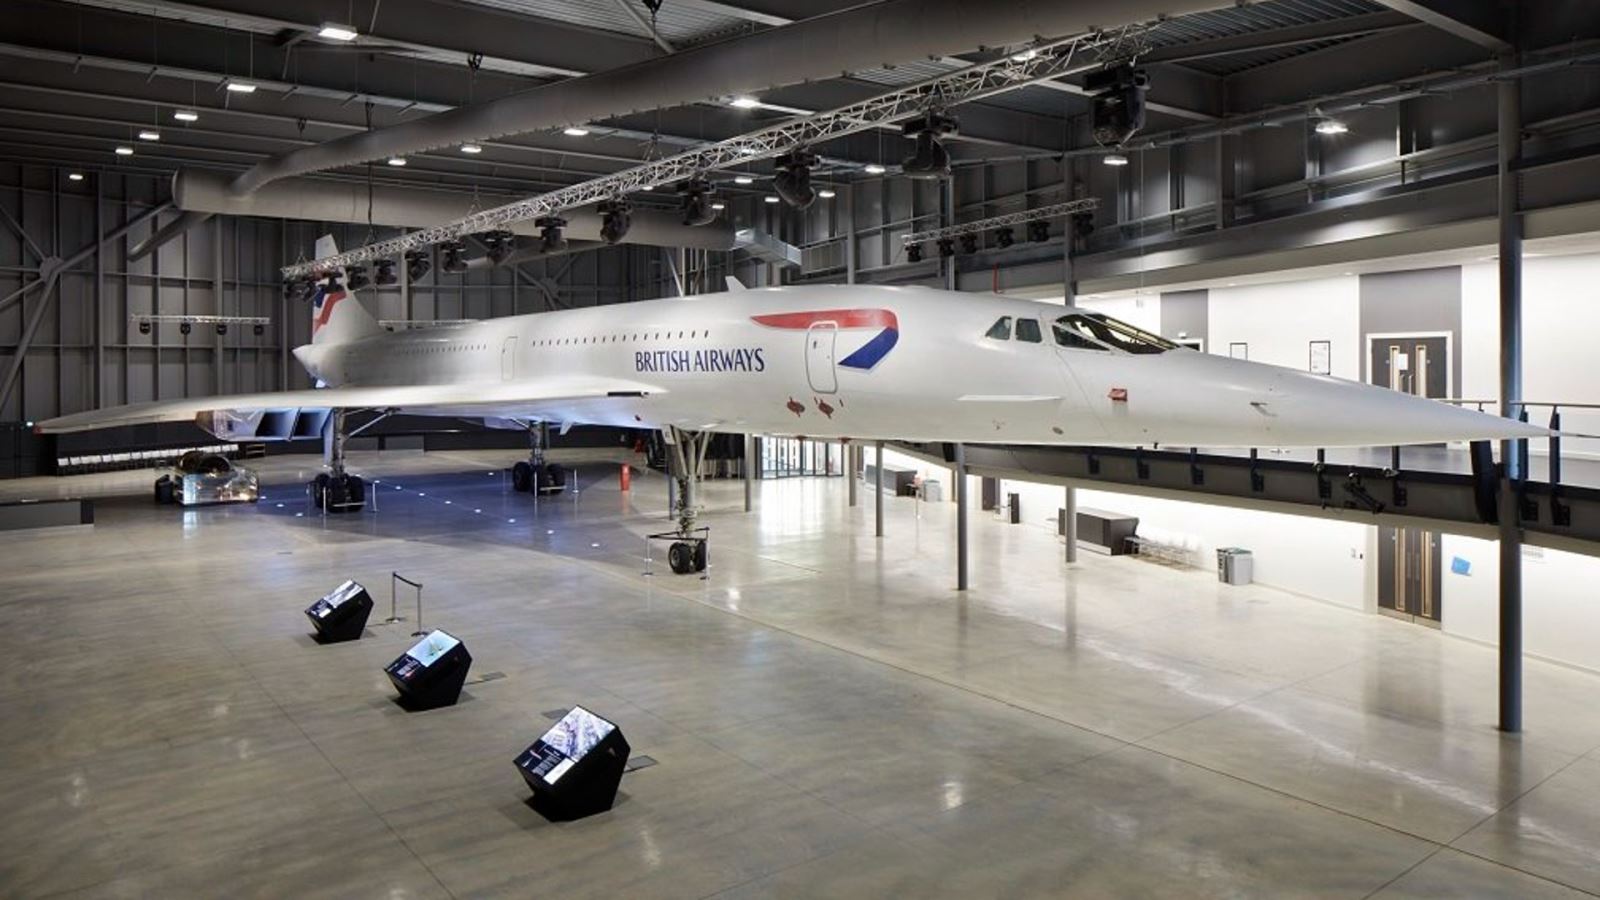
(1321, 358)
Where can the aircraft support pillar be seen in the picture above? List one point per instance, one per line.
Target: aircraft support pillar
(961, 517)
(877, 501)
(1509, 95)
(1070, 526)
(749, 469)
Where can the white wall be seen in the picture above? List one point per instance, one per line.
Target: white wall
(1560, 322)
(1560, 617)
(1279, 322)
(1138, 310)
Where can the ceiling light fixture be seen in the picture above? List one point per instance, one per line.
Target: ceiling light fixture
(149, 135)
(124, 151)
(186, 115)
(241, 87)
(826, 194)
(719, 206)
(397, 161)
(743, 179)
(1331, 126)
(874, 169)
(74, 176)
(1114, 159)
(575, 131)
(744, 102)
(336, 32)
(471, 148)
(770, 198)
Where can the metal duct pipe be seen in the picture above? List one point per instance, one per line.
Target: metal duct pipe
(200, 193)
(863, 37)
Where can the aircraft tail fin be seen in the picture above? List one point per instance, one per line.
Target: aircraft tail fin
(733, 283)
(337, 315)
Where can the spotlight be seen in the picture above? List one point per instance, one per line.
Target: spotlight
(770, 198)
(417, 264)
(793, 181)
(743, 179)
(696, 202)
(500, 244)
(186, 115)
(826, 194)
(385, 274)
(74, 176)
(873, 169)
(358, 277)
(550, 238)
(1331, 126)
(222, 328)
(969, 243)
(295, 288)
(719, 206)
(1004, 236)
(947, 247)
(149, 134)
(471, 149)
(258, 329)
(930, 159)
(124, 151)
(1117, 103)
(914, 253)
(454, 253)
(1039, 230)
(185, 328)
(333, 31)
(144, 326)
(1082, 224)
(1114, 159)
(616, 217)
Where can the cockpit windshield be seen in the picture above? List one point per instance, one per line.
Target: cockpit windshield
(1096, 331)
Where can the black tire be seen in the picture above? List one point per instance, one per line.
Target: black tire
(164, 490)
(680, 558)
(699, 556)
(522, 477)
(355, 490)
(319, 487)
(555, 476)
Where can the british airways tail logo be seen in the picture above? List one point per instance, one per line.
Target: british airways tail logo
(322, 307)
(865, 357)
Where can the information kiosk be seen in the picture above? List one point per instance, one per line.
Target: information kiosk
(575, 768)
(342, 615)
(431, 673)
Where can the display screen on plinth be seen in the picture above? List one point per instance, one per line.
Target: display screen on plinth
(567, 742)
(341, 594)
(428, 650)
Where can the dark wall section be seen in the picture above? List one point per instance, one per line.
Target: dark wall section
(1186, 313)
(1422, 301)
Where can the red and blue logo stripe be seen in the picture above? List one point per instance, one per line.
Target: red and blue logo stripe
(864, 358)
(322, 306)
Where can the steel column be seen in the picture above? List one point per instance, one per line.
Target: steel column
(878, 475)
(1509, 97)
(749, 469)
(961, 517)
(1071, 504)
(849, 463)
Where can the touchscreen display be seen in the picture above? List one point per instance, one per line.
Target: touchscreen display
(430, 648)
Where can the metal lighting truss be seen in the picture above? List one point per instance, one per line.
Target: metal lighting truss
(1016, 218)
(137, 318)
(1037, 62)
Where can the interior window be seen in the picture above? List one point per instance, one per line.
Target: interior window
(1080, 328)
(1028, 330)
(1000, 330)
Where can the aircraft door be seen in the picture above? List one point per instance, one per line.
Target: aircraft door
(820, 340)
(508, 359)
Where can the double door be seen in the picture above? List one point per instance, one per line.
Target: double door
(1408, 558)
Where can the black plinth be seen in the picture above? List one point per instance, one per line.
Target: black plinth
(431, 673)
(342, 615)
(575, 768)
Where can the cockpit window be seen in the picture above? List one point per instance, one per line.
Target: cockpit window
(1096, 331)
(1000, 330)
(1028, 330)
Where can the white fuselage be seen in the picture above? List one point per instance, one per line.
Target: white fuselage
(868, 362)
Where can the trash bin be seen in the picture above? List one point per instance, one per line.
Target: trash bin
(1235, 565)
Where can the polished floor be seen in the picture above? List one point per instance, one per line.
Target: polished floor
(828, 717)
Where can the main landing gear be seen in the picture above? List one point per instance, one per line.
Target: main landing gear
(686, 451)
(337, 490)
(536, 476)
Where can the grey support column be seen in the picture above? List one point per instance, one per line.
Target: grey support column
(961, 517)
(850, 470)
(1071, 505)
(878, 475)
(1510, 108)
(749, 469)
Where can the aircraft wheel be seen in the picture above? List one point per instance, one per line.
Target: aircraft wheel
(355, 490)
(522, 477)
(699, 556)
(681, 558)
(164, 490)
(555, 476)
(320, 487)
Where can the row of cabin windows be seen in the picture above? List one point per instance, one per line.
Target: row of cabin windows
(443, 348)
(621, 338)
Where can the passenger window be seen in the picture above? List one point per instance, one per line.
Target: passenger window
(1000, 330)
(1028, 330)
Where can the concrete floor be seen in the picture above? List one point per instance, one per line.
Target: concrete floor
(829, 717)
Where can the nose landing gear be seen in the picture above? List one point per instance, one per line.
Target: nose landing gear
(689, 550)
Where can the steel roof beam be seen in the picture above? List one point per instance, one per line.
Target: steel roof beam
(1478, 21)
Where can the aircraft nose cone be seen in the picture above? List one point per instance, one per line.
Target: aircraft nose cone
(1317, 410)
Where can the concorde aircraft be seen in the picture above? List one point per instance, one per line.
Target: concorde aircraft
(824, 361)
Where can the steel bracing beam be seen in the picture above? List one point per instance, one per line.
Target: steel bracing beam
(1047, 60)
(1017, 218)
(1471, 20)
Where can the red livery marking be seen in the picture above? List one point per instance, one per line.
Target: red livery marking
(844, 318)
(824, 407)
(1118, 395)
(327, 308)
(795, 407)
